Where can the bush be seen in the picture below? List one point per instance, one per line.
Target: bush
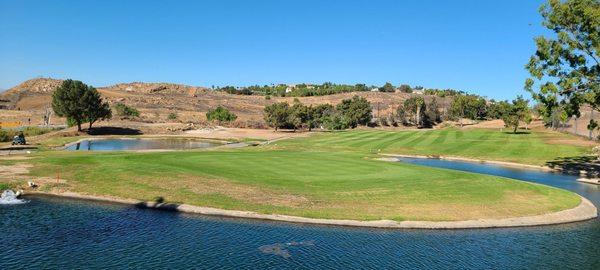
(125, 111)
(5, 136)
(4, 186)
(172, 116)
(34, 131)
(220, 114)
(337, 121)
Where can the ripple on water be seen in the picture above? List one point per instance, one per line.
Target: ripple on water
(60, 233)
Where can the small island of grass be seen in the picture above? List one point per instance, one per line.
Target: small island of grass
(329, 176)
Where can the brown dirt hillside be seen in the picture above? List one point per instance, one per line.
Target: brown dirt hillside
(156, 101)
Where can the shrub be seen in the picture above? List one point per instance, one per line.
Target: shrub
(125, 111)
(4, 186)
(220, 114)
(5, 136)
(172, 116)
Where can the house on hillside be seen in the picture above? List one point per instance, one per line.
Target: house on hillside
(290, 88)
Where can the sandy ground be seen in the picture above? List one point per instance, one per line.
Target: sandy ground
(242, 133)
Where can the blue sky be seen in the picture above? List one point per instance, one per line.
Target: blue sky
(477, 46)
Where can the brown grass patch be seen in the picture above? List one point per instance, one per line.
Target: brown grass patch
(237, 191)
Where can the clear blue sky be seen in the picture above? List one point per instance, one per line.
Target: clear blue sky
(477, 46)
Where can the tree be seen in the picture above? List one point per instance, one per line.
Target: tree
(336, 121)
(591, 126)
(497, 109)
(415, 107)
(565, 68)
(357, 111)
(298, 115)
(405, 88)
(79, 103)
(317, 114)
(517, 112)
(432, 113)
(276, 115)
(467, 106)
(95, 109)
(387, 87)
(401, 114)
(458, 107)
(220, 114)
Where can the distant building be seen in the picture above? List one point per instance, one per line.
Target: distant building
(290, 88)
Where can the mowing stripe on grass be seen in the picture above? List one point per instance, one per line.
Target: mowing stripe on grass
(374, 136)
(422, 135)
(397, 138)
(441, 138)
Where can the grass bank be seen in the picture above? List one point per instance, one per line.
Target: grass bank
(329, 175)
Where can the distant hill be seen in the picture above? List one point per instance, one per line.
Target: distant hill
(157, 100)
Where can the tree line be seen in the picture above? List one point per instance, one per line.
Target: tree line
(328, 88)
(347, 114)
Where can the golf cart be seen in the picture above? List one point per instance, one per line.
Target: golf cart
(19, 139)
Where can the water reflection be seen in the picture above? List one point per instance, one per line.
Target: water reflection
(138, 144)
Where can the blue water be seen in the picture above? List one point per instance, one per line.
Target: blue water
(137, 144)
(66, 234)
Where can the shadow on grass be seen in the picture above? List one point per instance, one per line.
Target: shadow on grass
(517, 133)
(574, 165)
(113, 131)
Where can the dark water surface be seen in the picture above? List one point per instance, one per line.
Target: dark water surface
(66, 234)
(138, 144)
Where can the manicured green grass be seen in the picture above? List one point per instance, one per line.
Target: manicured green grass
(324, 176)
(534, 148)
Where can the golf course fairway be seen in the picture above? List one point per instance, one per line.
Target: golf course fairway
(331, 176)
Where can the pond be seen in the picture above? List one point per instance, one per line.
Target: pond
(64, 234)
(138, 144)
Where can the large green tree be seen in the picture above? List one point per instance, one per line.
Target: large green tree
(277, 115)
(298, 115)
(516, 112)
(357, 111)
(317, 115)
(387, 87)
(79, 103)
(565, 69)
(414, 107)
(95, 108)
(468, 106)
